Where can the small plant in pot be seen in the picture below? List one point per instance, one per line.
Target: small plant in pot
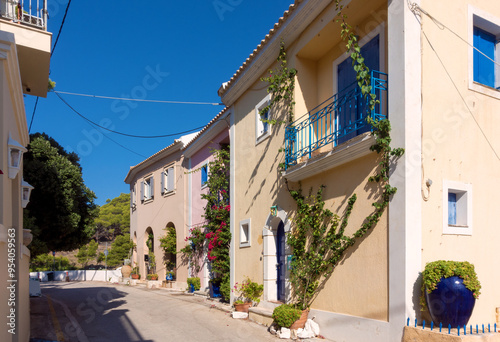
(286, 315)
(194, 284)
(449, 291)
(249, 292)
(152, 276)
(135, 273)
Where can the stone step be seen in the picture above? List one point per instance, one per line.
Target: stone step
(261, 315)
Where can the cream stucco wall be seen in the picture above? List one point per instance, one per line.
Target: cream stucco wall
(460, 143)
(260, 184)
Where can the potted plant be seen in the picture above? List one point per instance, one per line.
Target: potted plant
(286, 315)
(170, 276)
(152, 276)
(194, 284)
(249, 292)
(135, 273)
(449, 291)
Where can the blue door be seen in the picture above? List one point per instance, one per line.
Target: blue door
(281, 258)
(353, 108)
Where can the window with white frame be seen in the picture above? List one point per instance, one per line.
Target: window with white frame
(262, 129)
(457, 208)
(484, 39)
(132, 197)
(245, 233)
(167, 180)
(204, 175)
(147, 189)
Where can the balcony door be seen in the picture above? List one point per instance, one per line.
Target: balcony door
(353, 108)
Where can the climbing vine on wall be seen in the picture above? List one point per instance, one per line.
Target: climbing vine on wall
(318, 238)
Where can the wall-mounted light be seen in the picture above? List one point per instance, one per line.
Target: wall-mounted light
(15, 156)
(274, 210)
(25, 193)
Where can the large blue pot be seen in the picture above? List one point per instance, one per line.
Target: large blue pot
(451, 302)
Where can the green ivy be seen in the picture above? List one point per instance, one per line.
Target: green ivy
(281, 86)
(318, 238)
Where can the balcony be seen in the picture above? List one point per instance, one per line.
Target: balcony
(31, 13)
(339, 123)
(27, 21)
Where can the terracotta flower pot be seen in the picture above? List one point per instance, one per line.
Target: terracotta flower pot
(243, 307)
(301, 322)
(126, 270)
(134, 276)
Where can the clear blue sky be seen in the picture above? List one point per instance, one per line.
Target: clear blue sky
(158, 50)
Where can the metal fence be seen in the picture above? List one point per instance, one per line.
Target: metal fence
(340, 118)
(27, 12)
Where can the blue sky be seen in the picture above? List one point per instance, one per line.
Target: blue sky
(157, 50)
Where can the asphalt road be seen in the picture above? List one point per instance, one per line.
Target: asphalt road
(86, 311)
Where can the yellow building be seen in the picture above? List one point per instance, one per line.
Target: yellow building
(442, 101)
(24, 68)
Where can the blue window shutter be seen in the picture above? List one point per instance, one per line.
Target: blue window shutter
(142, 191)
(152, 187)
(452, 208)
(484, 69)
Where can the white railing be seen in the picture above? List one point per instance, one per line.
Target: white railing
(28, 12)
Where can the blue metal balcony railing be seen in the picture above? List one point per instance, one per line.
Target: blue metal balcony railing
(28, 12)
(342, 118)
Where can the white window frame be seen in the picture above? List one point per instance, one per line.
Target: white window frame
(245, 225)
(147, 189)
(491, 24)
(464, 208)
(203, 185)
(260, 134)
(133, 198)
(168, 180)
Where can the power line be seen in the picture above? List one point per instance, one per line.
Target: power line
(60, 28)
(51, 53)
(126, 134)
(140, 100)
(33, 116)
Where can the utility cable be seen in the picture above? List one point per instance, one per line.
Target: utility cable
(138, 100)
(460, 94)
(416, 8)
(60, 28)
(51, 53)
(126, 134)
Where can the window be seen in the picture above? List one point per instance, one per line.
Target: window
(261, 127)
(457, 208)
(167, 180)
(484, 36)
(147, 189)
(245, 233)
(132, 197)
(204, 175)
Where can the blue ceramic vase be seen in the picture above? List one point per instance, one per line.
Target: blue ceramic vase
(451, 302)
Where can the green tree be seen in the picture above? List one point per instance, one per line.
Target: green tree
(45, 262)
(61, 210)
(87, 253)
(120, 250)
(114, 218)
(169, 245)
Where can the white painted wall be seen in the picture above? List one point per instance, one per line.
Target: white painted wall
(80, 275)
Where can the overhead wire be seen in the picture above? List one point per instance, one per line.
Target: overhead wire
(139, 100)
(51, 53)
(414, 7)
(127, 134)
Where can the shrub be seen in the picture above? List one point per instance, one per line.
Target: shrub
(196, 283)
(285, 314)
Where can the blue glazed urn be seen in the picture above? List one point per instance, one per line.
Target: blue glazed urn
(451, 302)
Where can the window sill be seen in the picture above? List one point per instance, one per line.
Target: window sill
(484, 89)
(245, 244)
(149, 200)
(262, 137)
(351, 150)
(168, 193)
(457, 230)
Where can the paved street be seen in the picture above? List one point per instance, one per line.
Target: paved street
(86, 311)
